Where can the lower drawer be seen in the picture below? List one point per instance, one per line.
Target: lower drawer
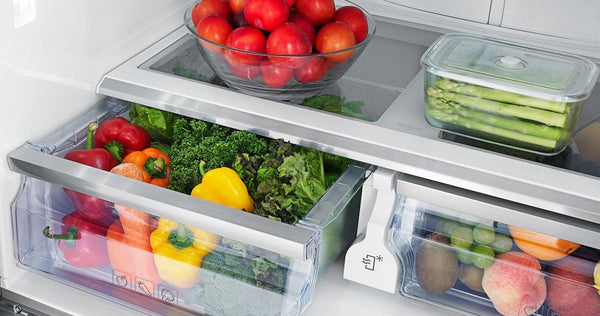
(215, 270)
(476, 254)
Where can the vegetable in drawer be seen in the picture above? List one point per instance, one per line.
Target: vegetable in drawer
(81, 241)
(178, 251)
(91, 206)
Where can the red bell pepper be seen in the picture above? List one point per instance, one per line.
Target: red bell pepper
(100, 158)
(120, 137)
(82, 242)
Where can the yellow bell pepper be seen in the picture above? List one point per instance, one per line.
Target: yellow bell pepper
(178, 251)
(224, 186)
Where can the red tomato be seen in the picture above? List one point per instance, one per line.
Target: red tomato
(357, 20)
(335, 36)
(288, 39)
(275, 76)
(207, 7)
(318, 12)
(243, 71)
(245, 38)
(266, 14)
(237, 6)
(313, 70)
(214, 28)
(302, 22)
(291, 3)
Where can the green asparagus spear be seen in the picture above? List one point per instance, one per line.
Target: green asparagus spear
(516, 125)
(456, 119)
(519, 111)
(500, 95)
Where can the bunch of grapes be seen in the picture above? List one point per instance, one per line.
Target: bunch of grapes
(475, 244)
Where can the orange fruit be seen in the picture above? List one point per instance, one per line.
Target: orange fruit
(541, 246)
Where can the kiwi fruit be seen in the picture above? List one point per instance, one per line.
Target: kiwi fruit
(436, 264)
(471, 276)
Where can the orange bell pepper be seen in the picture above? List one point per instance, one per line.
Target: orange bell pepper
(153, 163)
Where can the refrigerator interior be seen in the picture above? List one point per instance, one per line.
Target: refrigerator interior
(390, 84)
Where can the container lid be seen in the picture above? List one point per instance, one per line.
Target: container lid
(511, 67)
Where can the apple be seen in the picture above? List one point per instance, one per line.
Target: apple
(515, 284)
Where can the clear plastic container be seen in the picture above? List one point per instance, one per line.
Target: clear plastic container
(505, 93)
(233, 274)
(483, 267)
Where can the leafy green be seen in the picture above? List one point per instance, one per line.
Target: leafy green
(335, 104)
(157, 122)
(242, 279)
(287, 181)
(179, 70)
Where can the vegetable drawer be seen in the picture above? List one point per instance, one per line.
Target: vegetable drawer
(476, 254)
(191, 256)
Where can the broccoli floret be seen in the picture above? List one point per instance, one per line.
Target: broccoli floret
(199, 146)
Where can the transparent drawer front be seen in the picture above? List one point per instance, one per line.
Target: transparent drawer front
(484, 267)
(164, 251)
(192, 269)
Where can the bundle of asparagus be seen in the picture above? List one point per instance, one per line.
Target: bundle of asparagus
(496, 112)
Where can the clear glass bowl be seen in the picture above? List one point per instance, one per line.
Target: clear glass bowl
(246, 76)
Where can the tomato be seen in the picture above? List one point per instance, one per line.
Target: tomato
(237, 6)
(288, 39)
(318, 12)
(335, 36)
(275, 76)
(245, 38)
(357, 20)
(243, 71)
(313, 70)
(207, 7)
(266, 14)
(302, 22)
(291, 3)
(214, 28)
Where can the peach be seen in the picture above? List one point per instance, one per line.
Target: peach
(570, 287)
(514, 283)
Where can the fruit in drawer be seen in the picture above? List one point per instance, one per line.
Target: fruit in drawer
(514, 283)
(436, 264)
(470, 276)
(570, 287)
(541, 246)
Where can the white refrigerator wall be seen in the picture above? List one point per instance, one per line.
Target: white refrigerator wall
(53, 55)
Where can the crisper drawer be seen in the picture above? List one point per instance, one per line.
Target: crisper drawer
(475, 254)
(163, 251)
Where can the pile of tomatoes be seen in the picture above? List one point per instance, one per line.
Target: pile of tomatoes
(257, 29)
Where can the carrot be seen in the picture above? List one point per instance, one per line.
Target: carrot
(119, 254)
(137, 228)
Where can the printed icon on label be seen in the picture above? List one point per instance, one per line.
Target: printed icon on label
(369, 261)
(120, 279)
(168, 295)
(144, 286)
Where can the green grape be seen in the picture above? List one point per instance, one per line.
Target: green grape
(482, 256)
(446, 226)
(501, 243)
(483, 234)
(462, 237)
(463, 256)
